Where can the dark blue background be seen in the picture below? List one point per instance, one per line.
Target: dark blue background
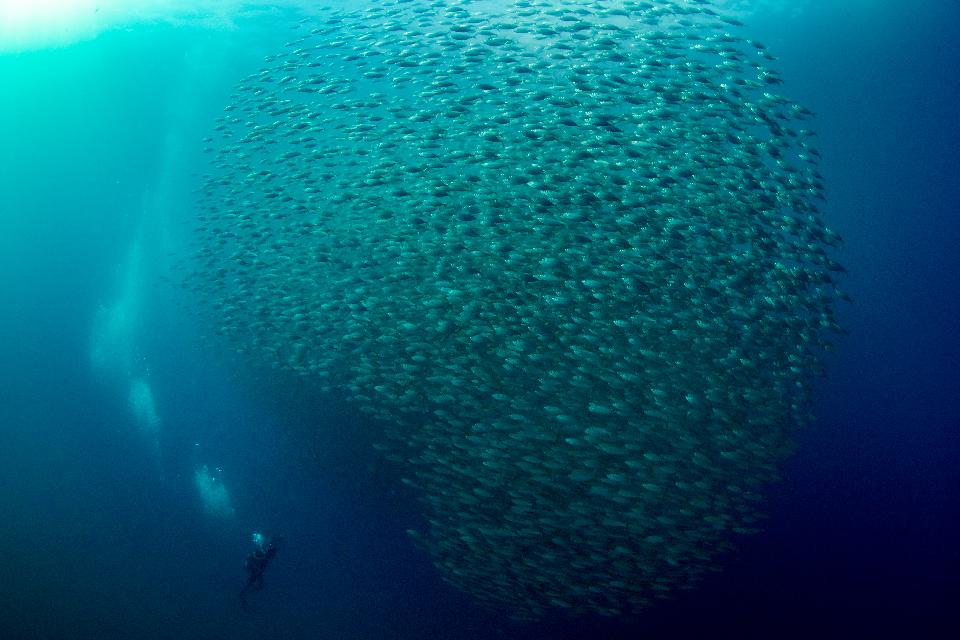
(101, 540)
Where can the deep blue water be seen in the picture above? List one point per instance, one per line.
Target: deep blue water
(104, 536)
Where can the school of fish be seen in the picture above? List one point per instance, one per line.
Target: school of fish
(570, 251)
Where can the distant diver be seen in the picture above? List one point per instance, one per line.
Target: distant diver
(257, 563)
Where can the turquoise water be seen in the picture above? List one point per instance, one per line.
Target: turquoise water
(139, 453)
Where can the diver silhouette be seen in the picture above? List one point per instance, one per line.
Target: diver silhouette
(257, 563)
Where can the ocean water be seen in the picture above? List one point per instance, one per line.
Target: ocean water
(138, 454)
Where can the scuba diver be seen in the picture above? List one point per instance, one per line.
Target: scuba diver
(257, 563)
